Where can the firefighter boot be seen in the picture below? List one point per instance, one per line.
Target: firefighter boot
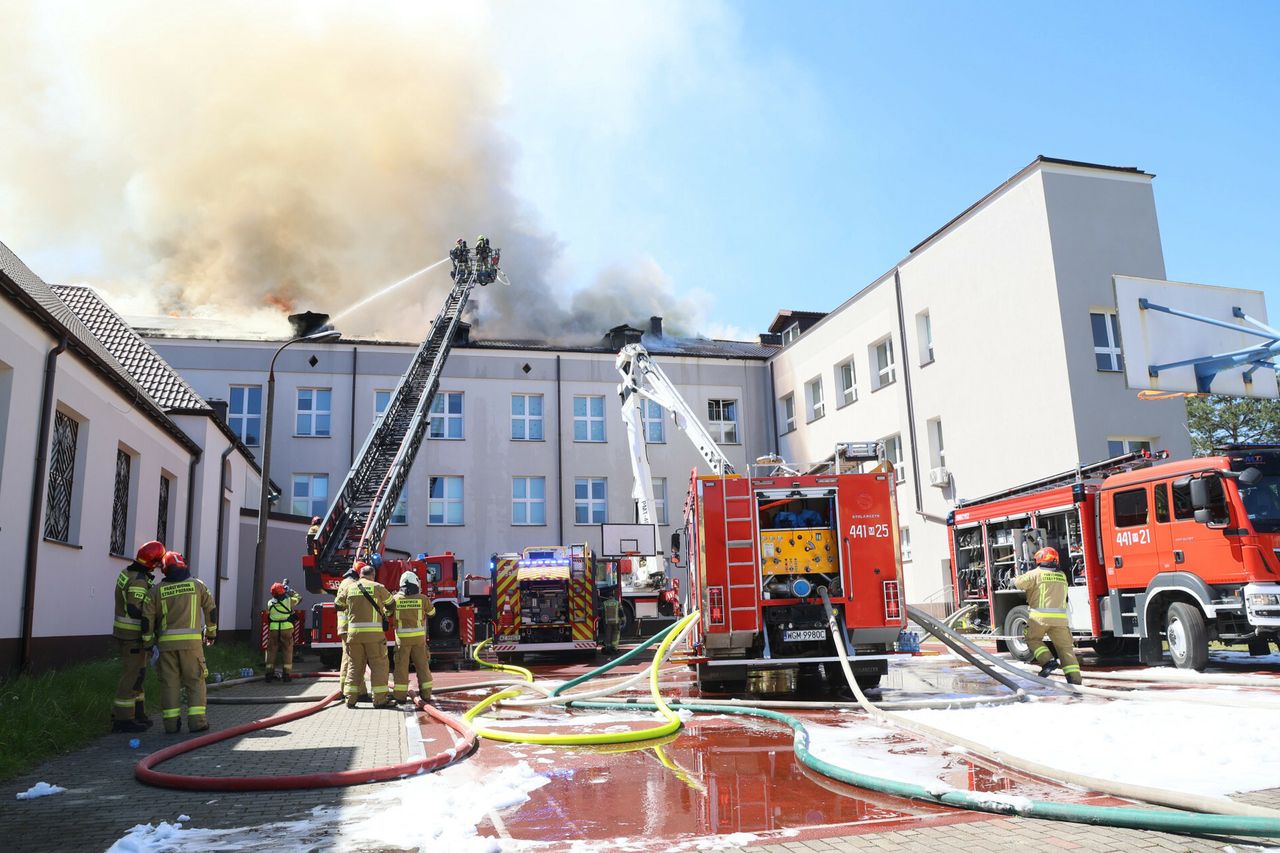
(1049, 666)
(140, 713)
(287, 677)
(270, 676)
(132, 726)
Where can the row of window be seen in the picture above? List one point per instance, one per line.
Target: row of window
(61, 501)
(310, 497)
(314, 413)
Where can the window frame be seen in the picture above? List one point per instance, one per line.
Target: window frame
(446, 501)
(399, 511)
(1131, 515)
(527, 419)
(846, 395)
(65, 480)
(588, 420)
(788, 402)
(648, 420)
(528, 502)
(904, 544)
(314, 413)
(121, 528)
(239, 421)
(890, 367)
(815, 404)
(899, 469)
(310, 497)
(447, 418)
(1127, 443)
(379, 412)
(1112, 348)
(716, 426)
(659, 500)
(924, 332)
(791, 333)
(590, 502)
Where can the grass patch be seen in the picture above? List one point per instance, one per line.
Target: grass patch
(61, 711)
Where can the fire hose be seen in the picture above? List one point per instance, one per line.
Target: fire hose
(145, 770)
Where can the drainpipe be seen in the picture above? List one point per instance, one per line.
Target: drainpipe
(559, 457)
(773, 404)
(37, 504)
(222, 521)
(191, 506)
(351, 450)
(906, 386)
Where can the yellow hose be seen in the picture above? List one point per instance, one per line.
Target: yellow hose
(501, 667)
(672, 724)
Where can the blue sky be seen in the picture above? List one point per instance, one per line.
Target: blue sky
(856, 129)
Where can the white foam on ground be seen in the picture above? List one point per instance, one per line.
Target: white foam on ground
(866, 748)
(438, 811)
(40, 789)
(1199, 749)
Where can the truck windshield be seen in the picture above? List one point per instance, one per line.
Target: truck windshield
(1262, 503)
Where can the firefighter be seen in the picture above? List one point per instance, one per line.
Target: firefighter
(482, 248)
(348, 578)
(280, 621)
(172, 618)
(1046, 590)
(129, 712)
(313, 536)
(412, 610)
(611, 610)
(365, 602)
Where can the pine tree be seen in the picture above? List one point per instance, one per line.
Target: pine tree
(1220, 419)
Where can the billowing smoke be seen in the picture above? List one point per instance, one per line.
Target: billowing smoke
(236, 160)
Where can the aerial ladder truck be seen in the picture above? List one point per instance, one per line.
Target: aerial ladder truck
(355, 525)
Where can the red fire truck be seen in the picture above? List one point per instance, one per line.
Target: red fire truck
(1177, 552)
(759, 547)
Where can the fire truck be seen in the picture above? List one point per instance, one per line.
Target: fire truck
(1155, 552)
(546, 600)
(355, 525)
(760, 547)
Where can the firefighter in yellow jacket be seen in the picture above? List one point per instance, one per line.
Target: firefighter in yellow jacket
(1046, 590)
(412, 610)
(280, 629)
(172, 617)
(344, 669)
(129, 713)
(365, 603)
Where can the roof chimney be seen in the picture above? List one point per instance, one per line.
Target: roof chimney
(219, 408)
(462, 334)
(620, 336)
(655, 326)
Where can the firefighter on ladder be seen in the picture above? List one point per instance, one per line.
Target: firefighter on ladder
(280, 621)
(172, 617)
(412, 610)
(365, 602)
(129, 712)
(1046, 590)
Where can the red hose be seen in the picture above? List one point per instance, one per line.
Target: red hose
(146, 773)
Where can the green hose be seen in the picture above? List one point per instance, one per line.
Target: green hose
(601, 670)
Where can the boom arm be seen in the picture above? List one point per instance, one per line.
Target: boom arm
(356, 523)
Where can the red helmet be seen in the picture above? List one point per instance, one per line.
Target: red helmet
(358, 565)
(277, 589)
(173, 561)
(151, 554)
(1045, 556)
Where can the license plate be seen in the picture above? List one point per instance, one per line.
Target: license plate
(802, 636)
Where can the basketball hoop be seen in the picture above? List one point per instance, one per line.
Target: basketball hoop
(1152, 394)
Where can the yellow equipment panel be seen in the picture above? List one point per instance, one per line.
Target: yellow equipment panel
(798, 551)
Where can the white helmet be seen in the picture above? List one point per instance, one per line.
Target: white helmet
(410, 579)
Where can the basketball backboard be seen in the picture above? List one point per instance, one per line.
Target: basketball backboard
(1195, 338)
(621, 540)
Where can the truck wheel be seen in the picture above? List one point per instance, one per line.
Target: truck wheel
(444, 623)
(627, 613)
(1015, 629)
(1187, 638)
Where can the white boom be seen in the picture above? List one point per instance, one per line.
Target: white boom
(642, 379)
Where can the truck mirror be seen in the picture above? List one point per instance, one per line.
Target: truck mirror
(1200, 500)
(675, 542)
(1250, 475)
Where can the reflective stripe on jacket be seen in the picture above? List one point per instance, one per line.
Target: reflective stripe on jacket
(362, 616)
(130, 597)
(280, 611)
(412, 613)
(173, 613)
(609, 608)
(1046, 591)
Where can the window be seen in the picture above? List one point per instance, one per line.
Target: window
(444, 503)
(381, 399)
(1121, 446)
(162, 513)
(660, 500)
(588, 418)
(244, 413)
(790, 333)
(590, 501)
(1106, 341)
(310, 494)
(446, 415)
(62, 475)
(1131, 508)
(938, 450)
(526, 417)
(893, 452)
(1162, 502)
(789, 413)
(905, 533)
(1182, 509)
(313, 412)
(813, 399)
(120, 502)
(846, 384)
(400, 514)
(924, 337)
(882, 363)
(528, 500)
(655, 429)
(722, 420)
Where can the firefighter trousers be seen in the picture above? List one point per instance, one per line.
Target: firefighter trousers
(367, 650)
(133, 669)
(280, 643)
(1060, 635)
(180, 668)
(612, 635)
(413, 651)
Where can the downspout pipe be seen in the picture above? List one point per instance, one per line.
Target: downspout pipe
(559, 455)
(906, 387)
(37, 503)
(222, 521)
(191, 505)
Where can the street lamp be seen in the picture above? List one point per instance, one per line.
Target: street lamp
(307, 327)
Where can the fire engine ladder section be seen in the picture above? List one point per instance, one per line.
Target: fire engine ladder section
(1125, 462)
(740, 554)
(356, 523)
(642, 380)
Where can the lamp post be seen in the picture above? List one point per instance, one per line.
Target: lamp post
(302, 323)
